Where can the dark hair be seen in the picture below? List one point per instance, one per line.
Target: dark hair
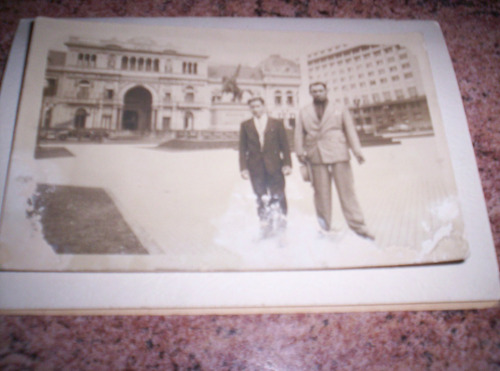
(317, 83)
(260, 99)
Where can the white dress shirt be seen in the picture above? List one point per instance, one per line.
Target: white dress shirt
(260, 125)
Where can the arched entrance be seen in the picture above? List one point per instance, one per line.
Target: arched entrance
(80, 118)
(137, 110)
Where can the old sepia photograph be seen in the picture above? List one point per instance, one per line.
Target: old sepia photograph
(160, 148)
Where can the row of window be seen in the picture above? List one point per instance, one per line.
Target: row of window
(332, 67)
(385, 96)
(140, 64)
(132, 63)
(86, 60)
(83, 92)
(190, 68)
(358, 53)
(382, 80)
(278, 98)
(360, 49)
(357, 59)
(364, 84)
(341, 71)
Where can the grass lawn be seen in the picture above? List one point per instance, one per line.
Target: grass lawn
(83, 220)
(51, 152)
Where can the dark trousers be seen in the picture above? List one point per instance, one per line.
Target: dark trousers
(270, 192)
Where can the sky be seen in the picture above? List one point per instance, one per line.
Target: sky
(246, 47)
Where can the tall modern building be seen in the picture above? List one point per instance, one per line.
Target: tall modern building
(381, 84)
(137, 86)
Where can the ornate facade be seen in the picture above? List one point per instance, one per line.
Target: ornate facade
(136, 86)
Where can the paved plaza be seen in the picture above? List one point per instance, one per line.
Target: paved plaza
(192, 211)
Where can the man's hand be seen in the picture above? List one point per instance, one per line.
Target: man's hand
(359, 156)
(302, 158)
(287, 170)
(245, 174)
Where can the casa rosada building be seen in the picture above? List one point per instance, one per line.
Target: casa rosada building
(137, 86)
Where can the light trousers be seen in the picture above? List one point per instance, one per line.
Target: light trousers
(341, 173)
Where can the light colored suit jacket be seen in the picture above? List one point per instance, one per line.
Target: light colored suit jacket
(326, 141)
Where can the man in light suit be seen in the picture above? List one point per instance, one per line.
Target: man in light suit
(324, 133)
(265, 159)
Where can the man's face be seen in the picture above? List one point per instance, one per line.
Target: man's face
(257, 108)
(318, 92)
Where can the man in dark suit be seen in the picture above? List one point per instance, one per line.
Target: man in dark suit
(265, 160)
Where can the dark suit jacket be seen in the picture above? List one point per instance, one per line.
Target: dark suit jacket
(275, 153)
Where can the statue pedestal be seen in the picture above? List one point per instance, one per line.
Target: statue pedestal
(227, 116)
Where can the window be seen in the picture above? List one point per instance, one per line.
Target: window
(373, 82)
(412, 91)
(50, 88)
(140, 64)
(188, 120)
(111, 61)
(387, 96)
(189, 68)
(132, 63)
(168, 66)
(189, 94)
(124, 63)
(48, 118)
(168, 97)
(395, 78)
(148, 64)
(383, 80)
(106, 121)
(86, 60)
(399, 94)
(80, 118)
(408, 75)
(393, 68)
(289, 98)
(277, 98)
(403, 56)
(166, 123)
(83, 89)
(109, 94)
(157, 65)
(376, 97)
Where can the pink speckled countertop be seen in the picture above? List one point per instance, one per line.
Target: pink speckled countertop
(458, 340)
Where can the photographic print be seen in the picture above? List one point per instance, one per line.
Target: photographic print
(148, 148)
